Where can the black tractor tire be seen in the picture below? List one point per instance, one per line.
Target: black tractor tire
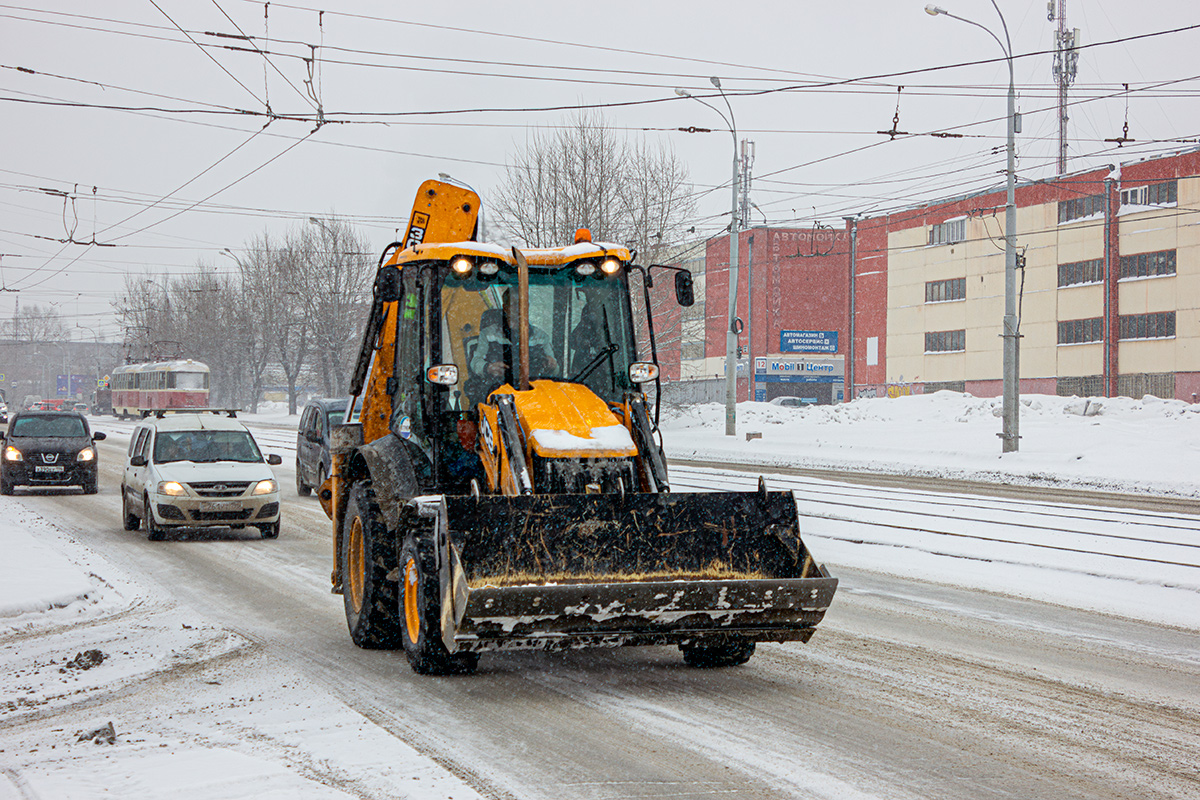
(130, 520)
(302, 488)
(421, 605)
(725, 652)
(153, 532)
(370, 582)
(270, 530)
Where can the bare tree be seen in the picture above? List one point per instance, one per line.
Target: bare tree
(568, 178)
(336, 276)
(38, 324)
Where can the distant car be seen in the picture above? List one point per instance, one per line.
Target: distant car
(791, 401)
(312, 441)
(49, 448)
(195, 471)
(83, 408)
(3, 412)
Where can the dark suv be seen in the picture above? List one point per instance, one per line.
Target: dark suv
(48, 448)
(312, 441)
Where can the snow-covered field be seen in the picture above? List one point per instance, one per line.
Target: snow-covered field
(78, 635)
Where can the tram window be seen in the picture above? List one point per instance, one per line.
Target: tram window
(188, 380)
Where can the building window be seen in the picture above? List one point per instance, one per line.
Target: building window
(941, 291)
(1078, 331)
(1148, 265)
(1156, 194)
(1148, 326)
(949, 232)
(1080, 207)
(946, 341)
(1078, 272)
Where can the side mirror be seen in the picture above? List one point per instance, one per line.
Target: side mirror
(683, 289)
(137, 461)
(388, 287)
(313, 436)
(99, 436)
(274, 460)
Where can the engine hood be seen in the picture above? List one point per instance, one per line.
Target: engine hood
(567, 420)
(189, 472)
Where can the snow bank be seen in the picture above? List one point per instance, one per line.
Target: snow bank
(1114, 444)
(35, 577)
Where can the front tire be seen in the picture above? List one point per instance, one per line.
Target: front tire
(370, 589)
(427, 655)
(6, 486)
(153, 532)
(270, 530)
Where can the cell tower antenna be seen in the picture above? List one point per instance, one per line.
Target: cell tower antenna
(1066, 59)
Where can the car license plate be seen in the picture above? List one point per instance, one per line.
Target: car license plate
(56, 468)
(222, 506)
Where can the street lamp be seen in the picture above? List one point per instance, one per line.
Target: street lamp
(1010, 437)
(731, 331)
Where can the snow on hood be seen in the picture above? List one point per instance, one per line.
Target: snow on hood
(608, 437)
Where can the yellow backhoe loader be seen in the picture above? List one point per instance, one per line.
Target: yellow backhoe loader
(504, 486)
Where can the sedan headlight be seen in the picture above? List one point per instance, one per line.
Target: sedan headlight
(172, 488)
(86, 454)
(265, 487)
(13, 454)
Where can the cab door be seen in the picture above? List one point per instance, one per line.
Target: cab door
(134, 482)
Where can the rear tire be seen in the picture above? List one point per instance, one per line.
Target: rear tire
(130, 520)
(302, 488)
(427, 655)
(731, 652)
(370, 589)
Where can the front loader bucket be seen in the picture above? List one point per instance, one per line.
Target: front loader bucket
(565, 571)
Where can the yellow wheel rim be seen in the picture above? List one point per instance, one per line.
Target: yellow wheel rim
(412, 616)
(356, 567)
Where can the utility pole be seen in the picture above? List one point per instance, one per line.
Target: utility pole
(1066, 59)
(747, 166)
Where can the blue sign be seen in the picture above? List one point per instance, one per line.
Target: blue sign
(808, 341)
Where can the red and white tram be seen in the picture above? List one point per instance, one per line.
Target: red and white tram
(159, 386)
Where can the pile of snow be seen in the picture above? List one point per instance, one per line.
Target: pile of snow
(1113, 444)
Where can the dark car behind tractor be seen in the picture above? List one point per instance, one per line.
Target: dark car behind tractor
(312, 441)
(48, 449)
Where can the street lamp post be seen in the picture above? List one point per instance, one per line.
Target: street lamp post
(1010, 437)
(731, 331)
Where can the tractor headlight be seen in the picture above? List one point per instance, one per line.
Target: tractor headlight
(13, 454)
(86, 454)
(610, 266)
(266, 487)
(171, 488)
(489, 268)
(461, 266)
(642, 371)
(585, 268)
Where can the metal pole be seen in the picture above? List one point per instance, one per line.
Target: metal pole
(749, 316)
(1011, 435)
(853, 222)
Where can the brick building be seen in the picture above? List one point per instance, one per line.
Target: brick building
(1109, 289)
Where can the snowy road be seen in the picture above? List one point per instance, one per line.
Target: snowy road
(912, 688)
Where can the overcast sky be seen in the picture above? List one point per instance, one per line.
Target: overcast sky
(131, 134)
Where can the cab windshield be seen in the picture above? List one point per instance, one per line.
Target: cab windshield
(579, 331)
(205, 447)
